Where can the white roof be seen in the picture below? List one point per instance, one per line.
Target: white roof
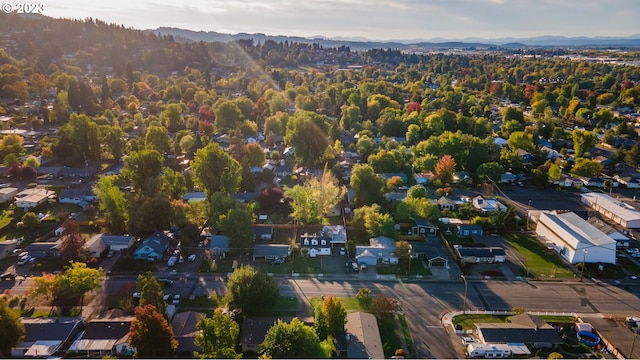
(615, 206)
(93, 344)
(575, 231)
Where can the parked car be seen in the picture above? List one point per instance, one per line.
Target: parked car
(136, 295)
(354, 267)
(343, 251)
(468, 340)
(22, 261)
(167, 298)
(165, 281)
(176, 299)
(192, 258)
(181, 260)
(8, 276)
(277, 262)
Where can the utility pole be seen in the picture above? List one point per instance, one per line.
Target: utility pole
(464, 304)
(584, 261)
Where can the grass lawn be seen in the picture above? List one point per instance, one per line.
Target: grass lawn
(348, 303)
(389, 335)
(199, 302)
(407, 336)
(629, 265)
(538, 260)
(453, 239)
(285, 306)
(417, 268)
(467, 321)
(551, 319)
(221, 265)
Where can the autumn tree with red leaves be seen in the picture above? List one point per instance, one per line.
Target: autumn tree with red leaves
(151, 334)
(445, 168)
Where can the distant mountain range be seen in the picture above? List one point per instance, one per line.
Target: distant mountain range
(359, 43)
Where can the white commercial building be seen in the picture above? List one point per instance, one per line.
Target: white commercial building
(614, 209)
(575, 239)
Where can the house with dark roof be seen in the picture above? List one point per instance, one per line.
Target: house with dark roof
(424, 228)
(219, 245)
(41, 250)
(316, 244)
(105, 337)
(484, 255)
(195, 196)
(363, 336)
(271, 251)
(245, 197)
(263, 232)
(153, 247)
(445, 203)
(468, 230)
(253, 331)
(184, 326)
(523, 328)
(525, 155)
(80, 196)
(46, 336)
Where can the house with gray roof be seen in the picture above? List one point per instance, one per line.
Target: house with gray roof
(46, 336)
(219, 245)
(153, 247)
(105, 337)
(523, 328)
(184, 326)
(271, 251)
(381, 248)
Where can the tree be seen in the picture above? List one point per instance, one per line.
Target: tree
(251, 291)
(335, 315)
(11, 328)
(73, 283)
(218, 336)
(112, 202)
(445, 168)
(148, 214)
(308, 132)
(151, 335)
(384, 306)
(373, 221)
(142, 166)
(151, 292)
(364, 297)
(72, 244)
(215, 170)
(520, 140)
(237, 225)
(492, 170)
(583, 141)
(174, 185)
(313, 200)
(157, 138)
(228, 115)
(292, 340)
(368, 186)
(554, 173)
(417, 192)
(633, 155)
(587, 167)
(30, 220)
(365, 146)
(31, 161)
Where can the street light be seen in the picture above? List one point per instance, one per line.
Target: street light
(409, 272)
(464, 304)
(584, 261)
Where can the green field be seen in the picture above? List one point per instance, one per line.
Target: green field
(349, 303)
(537, 260)
(468, 321)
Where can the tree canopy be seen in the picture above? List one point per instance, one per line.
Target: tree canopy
(251, 291)
(151, 334)
(292, 340)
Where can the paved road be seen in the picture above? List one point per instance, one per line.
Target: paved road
(422, 302)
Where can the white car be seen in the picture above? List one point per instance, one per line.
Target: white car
(176, 299)
(192, 258)
(468, 340)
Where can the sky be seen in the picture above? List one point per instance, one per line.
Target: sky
(370, 19)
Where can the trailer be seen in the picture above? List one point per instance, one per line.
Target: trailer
(488, 351)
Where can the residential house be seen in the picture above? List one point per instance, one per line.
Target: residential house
(337, 235)
(40, 250)
(245, 197)
(316, 244)
(263, 232)
(445, 203)
(153, 247)
(462, 177)
(380, 248)
(395, 196)
(508, 178)
(603, 160)
(424, 228)
(522, 328)
(46, 336)
(195, 196)
(424, 177)
(271, 251)
(628, 181)
(596, 182)
(7, 247)
(525, 155)
(283, 170)
(79, 195)
(7, 194)
(389, 176)
(253, 331)
(219, 245)
(551, 153)
(468, 230)
(96, 246)
(622, 241)
(33, 197)
(185, 329)
(481, 255)
(105, 337)
(488, 206)
(364, 336)
(117, 242)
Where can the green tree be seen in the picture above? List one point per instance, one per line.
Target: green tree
(174, 185)
(364, 297)
(251, 291)
(11, 329)
(511, 159)
(315, 198)
(31, 161)
(365, 146)
(151, 335)
(73, 283)
(369, 187)
(583, 141)
(308, 132)
(492, 170)
(237, 225)
(215, 170)
(587, 167)
(112, 202)
(633, 155)
(228, 115)
(172, 117)
(148, 214)
(218, 336)
(30, 220)
(10, 160)
(335, 314)
(151, 292)
(186, 143)
(521, 140)
(83, 135)
(113, 139)
(554, 173)
(417, 192)
(157, 138)
(373, 221)
(292, 340)
(143, 166)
